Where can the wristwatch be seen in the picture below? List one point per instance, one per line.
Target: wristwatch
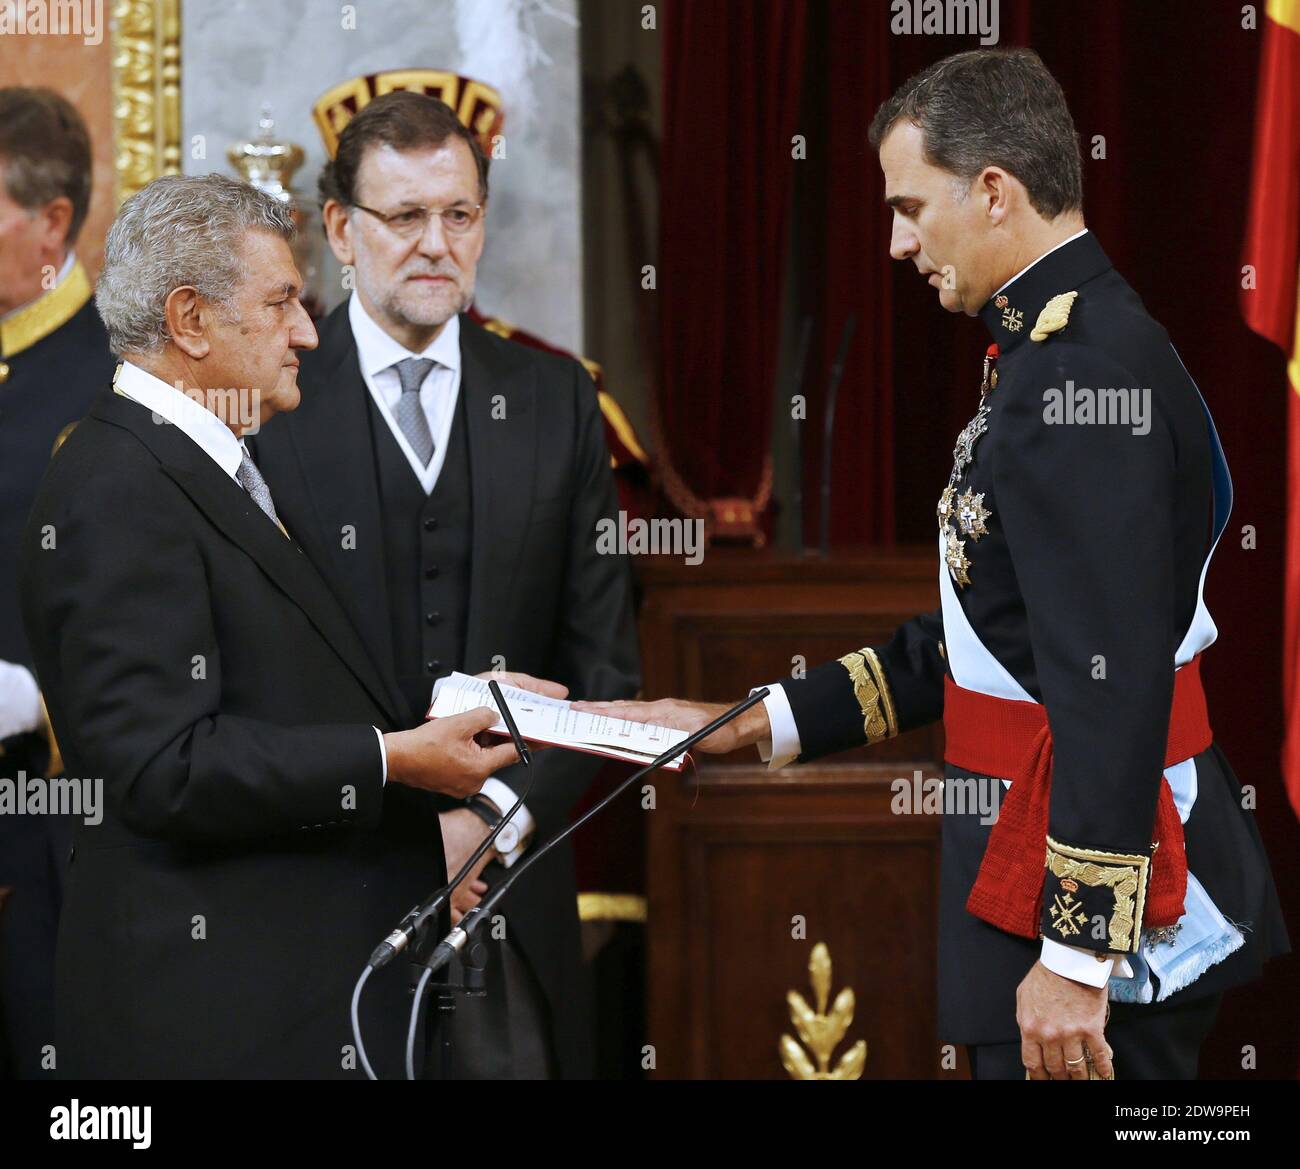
(507, 841)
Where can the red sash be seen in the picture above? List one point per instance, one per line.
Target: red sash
(1010, 739)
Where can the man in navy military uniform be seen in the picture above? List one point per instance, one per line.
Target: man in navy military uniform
(54, 360)
(1092, 929)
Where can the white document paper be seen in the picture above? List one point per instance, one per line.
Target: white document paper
(553, 721)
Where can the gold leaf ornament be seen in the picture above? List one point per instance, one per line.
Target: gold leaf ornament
(820, 1029)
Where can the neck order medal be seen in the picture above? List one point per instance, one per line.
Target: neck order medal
(965, 514)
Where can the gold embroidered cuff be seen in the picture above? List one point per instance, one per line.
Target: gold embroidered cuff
(871, 689)
(1083, 887)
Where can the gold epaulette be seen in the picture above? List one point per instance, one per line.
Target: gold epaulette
(1054, 317)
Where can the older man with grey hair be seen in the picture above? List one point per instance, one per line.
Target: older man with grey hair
(262, 823)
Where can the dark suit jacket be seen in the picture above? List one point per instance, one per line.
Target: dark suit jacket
(541, 597)
(249, 857)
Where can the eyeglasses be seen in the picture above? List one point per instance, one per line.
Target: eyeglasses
(410, 222)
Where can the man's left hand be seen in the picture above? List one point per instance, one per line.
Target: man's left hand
(1058, 1019)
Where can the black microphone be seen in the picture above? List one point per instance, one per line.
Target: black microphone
(413, 922)
(455, 941)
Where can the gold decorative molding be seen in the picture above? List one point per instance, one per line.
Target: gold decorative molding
(146, 55)
(611, 907)
(820, 1030)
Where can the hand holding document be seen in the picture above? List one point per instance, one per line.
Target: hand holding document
(555, 722)
(748, 728)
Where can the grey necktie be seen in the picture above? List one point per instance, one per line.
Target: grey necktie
(409, 413)
(250, 479)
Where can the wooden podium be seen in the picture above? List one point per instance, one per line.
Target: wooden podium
(748, 869)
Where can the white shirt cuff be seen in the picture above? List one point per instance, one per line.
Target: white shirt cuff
(20, 700)
(783, 747)
(1080, 965)
(503, 796)
(383, 753)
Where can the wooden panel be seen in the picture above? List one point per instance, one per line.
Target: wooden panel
(832, 862)
(737, 856)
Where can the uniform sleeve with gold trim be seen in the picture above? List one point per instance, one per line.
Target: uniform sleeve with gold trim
(873, 693)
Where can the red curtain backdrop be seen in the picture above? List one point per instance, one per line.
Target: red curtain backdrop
(1164, 96)
(731, 79)
(842, 239)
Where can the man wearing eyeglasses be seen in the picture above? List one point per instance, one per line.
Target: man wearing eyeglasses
(448, 484)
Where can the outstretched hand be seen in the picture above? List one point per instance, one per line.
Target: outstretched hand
(744, 730)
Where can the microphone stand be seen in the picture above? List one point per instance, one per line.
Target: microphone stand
(412, 925)
(455, 941)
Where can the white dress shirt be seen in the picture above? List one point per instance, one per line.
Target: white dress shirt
(212, 436)
(1072, 962)
(377, 353)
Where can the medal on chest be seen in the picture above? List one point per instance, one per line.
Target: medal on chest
(965, 514)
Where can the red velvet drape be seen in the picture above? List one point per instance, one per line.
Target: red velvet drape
(843, 236)
(731, 78)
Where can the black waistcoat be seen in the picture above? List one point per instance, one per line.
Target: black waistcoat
(426, 559)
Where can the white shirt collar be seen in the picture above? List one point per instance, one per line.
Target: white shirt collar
(68, 263)
(377, 351)
(189, 416)
(1075, 236)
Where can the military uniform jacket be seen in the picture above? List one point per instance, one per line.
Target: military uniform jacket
(1074, 538)
(54, 362)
